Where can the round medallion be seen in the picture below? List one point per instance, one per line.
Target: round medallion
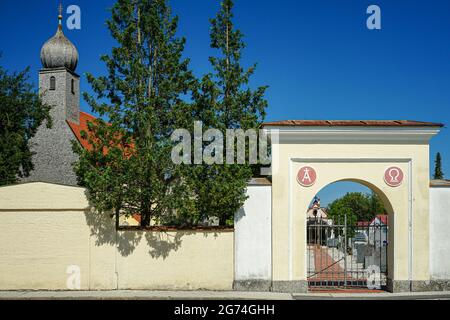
(393, 176)
(306, 176)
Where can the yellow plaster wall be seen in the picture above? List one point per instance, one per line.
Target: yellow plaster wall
(46, 228)
(365, 163)
(178, 261)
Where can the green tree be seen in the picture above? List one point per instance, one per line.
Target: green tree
(128, 169)
(21, 114)
(340, 209)
(438, 174)
(236, 105)
(376, 206)
(358, 207)
(224, 100)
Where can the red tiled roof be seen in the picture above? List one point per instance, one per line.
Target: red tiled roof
(137, 217)
(362, 223)
(78, 128)
(352, 123)
(83, 126)
(382, 217)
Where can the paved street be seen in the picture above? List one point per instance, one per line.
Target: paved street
(212, 295)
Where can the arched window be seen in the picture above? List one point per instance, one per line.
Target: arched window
(52, 83)
(73, 86)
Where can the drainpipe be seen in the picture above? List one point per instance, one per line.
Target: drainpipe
(116, 249)
(410, 229)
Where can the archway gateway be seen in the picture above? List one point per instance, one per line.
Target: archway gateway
(390, 157)
(345, 250)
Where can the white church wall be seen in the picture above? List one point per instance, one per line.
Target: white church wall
(253, 240)
(439, 231)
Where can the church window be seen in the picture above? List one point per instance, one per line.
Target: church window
(52, 83)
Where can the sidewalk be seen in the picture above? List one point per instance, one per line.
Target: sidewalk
(142, 295)
(212, 295)
(438, 295)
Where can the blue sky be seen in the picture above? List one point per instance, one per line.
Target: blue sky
(317, 56)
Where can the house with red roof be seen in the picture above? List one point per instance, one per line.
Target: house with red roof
(378, 231)
(380, 220)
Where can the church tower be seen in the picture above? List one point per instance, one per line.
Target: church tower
(59, 87)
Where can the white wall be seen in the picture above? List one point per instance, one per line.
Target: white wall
(253, 236)
(439, 233)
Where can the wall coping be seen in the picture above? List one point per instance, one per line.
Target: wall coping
(42, 196)
(177, 229)
(440, 184)
(259, 182)
(350, 135)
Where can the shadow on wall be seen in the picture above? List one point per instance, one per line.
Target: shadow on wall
(239, 215)
(161, 243)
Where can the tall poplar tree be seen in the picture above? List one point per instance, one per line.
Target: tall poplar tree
(238, 106)
(128, 168)
(224, 100)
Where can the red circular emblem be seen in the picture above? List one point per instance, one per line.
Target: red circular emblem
(307, 176)
(393, 176)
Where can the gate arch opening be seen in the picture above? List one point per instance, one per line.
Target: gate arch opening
(349, 236)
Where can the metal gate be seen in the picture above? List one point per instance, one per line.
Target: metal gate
(346, 256)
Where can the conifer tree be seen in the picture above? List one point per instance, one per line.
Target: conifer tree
(438, 174)
(224, 100)
(128, 168)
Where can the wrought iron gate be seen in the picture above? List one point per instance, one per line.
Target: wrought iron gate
(346, 256)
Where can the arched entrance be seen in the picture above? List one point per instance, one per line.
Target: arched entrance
(389, 157)
(348, 240)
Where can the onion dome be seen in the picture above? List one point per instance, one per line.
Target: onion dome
(59, 52)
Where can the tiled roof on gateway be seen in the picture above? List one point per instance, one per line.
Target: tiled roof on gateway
(351, 123)
(85, 118)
